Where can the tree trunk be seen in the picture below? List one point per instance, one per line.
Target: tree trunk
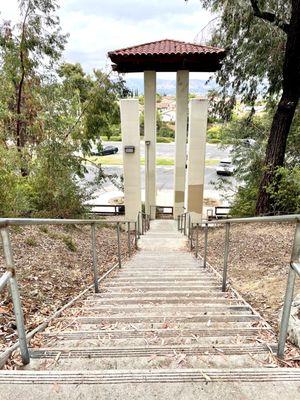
(284, 115)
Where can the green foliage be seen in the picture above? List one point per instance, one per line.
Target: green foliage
(71, 245)
(162, 128)
(44, 229)
(50, 117)
(285, 188)
(31, 241)
(164, 139)
(214, 134)
(112, 138)
(255, 51)
(13, 188)
(53, 190)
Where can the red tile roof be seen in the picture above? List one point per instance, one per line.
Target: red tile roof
(166, 47)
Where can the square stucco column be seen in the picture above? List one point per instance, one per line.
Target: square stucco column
(130, 129)
(182, 92)
(150, 141)
(196, 157)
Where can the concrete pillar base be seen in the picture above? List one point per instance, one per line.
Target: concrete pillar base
(196, 157)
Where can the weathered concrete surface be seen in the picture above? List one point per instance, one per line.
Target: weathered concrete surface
(149, 391)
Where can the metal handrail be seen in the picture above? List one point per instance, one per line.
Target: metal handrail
(9, 276)
(294, 267)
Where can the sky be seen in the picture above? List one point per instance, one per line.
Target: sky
(98, 26)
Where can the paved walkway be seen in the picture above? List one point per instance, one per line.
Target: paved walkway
(160, 329)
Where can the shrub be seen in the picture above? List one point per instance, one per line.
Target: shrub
(54, 191)
(115, 138)
(164, 140)
(214, 133)
(284, 190)
(214, 141)
(31, 241)
(69, 243)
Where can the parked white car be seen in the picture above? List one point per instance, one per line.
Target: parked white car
(225, 167)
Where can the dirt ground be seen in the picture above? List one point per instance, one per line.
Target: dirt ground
(259, 256)
(53, 265)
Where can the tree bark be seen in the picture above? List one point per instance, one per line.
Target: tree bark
(20, 130)
(276, 146)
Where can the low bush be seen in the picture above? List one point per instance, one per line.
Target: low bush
(164, 139)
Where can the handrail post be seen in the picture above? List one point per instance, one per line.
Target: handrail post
(226, 251)
(14, 289)
(191, 235)
(139, 225)
(135, 235)
(184, 227)
(119, 244)
(178, 224)
(129, 239)
(205, 244)
(197, 241)
(94, 252)
(287, 305)
(289, 294)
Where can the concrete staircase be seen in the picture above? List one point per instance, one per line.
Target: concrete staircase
(160, 328)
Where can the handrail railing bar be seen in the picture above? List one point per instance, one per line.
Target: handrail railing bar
(95, 259)
(287, 305)
(275, 218)
(15, 294)
(135, 235)
(4, 355)
(197, 241)
(296, 268)
(119, 245)
(129, 239)
(4, 279)
(4, 222)
(226, 253)
(205, 244)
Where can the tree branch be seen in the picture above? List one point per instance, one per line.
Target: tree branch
(270, 17)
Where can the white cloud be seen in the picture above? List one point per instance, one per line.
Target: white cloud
(98, 26)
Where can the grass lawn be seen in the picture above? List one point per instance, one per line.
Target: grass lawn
(118, 160)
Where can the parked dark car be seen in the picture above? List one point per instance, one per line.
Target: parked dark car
(107, 150)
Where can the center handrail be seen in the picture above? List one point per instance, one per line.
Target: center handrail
(294, 265)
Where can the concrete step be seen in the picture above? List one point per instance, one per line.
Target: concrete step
(154, 341)
(162, 319)
(161, 300)
(158, 351)
(161, 280)
(158, 293)
(162, 307)
(160, 333)
(154, 311)
(152, 376)
(155, 287)
(167, 384)
(163, 283)
(172, 360)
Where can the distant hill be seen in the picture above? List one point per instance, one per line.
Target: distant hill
(168, 86)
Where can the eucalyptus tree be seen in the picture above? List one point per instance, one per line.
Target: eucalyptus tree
(262, 39)
(29, 51)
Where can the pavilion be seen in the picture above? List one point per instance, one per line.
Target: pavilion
(150, 58)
